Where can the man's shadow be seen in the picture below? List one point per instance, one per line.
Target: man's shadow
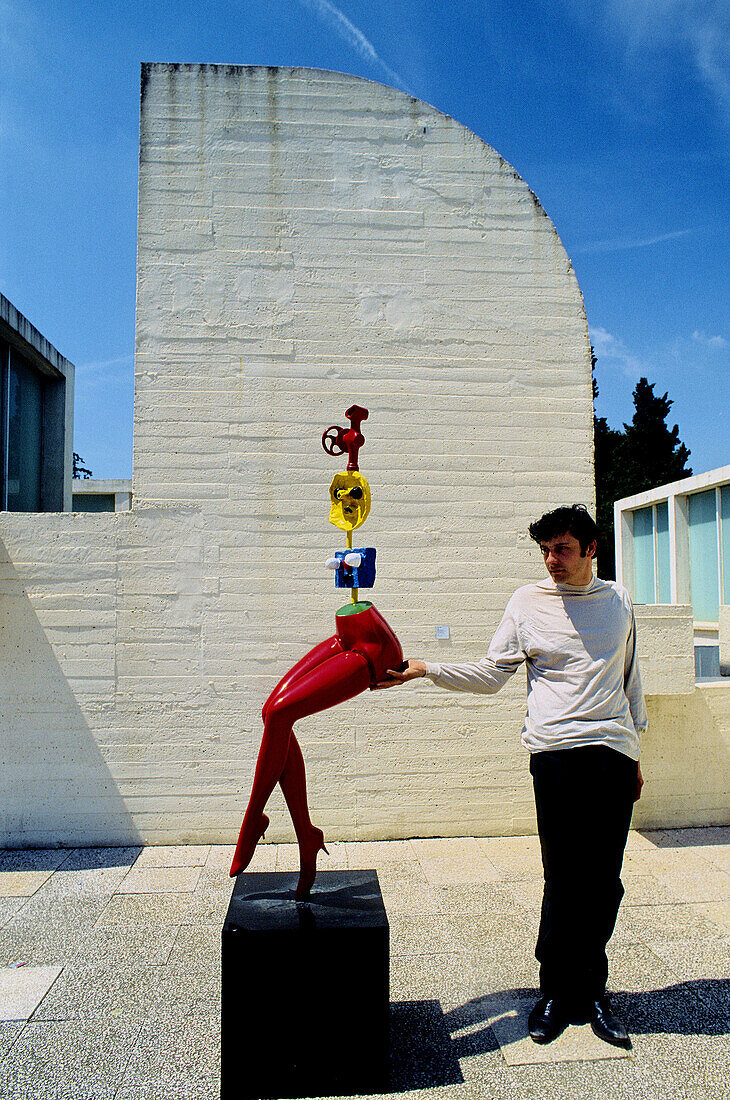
(427, 1044)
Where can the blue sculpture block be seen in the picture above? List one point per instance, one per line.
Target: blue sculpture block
(356, 576)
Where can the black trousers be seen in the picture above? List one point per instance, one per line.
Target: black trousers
(584, 799)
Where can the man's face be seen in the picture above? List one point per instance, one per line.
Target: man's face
(565, 562)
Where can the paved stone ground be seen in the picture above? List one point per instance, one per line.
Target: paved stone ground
(118, 992)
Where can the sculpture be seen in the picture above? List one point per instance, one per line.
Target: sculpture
(336, 670)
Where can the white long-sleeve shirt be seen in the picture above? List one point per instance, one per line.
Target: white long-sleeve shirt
(579, 645)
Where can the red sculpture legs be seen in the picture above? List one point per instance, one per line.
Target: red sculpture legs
(334, 671)
(328, 675)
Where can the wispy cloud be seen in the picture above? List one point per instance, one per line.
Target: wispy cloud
(699, 28)
(612, 350)
(353, 36)
(709, 341)
(622, 244)
(105, 366)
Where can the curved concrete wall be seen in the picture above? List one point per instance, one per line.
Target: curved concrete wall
(306, 240)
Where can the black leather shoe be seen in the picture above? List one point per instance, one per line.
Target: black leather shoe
(546, 1021)
(607, 1026)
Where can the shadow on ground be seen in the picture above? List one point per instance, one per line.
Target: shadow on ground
(423, 1054)
(701, 837)
(699, 1007)
(67, 859)
(428, 1043)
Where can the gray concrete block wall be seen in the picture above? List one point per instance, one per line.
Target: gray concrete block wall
(306, 240)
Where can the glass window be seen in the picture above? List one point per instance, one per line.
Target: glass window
(643, 556)
(663, 585)
(703, 558)
(93, 502)
(725, 514)
(24, 441)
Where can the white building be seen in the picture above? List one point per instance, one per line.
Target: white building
(36, 418)
(98, 494)
(673, 547)
(309, 240)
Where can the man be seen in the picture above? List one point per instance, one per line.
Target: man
(585, 715)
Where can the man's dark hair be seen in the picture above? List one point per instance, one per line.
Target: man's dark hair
(573, 519)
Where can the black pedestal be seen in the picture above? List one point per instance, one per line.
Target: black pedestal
(305, 987)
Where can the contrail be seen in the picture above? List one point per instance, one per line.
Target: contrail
(624, 243)
(104, 364)
(353, 36)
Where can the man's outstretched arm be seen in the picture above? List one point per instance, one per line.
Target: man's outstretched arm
(413, 670)
(484, 677)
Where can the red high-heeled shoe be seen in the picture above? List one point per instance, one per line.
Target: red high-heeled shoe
(248, 838)
(308, 851)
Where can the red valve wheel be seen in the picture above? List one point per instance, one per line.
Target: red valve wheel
(332, 440)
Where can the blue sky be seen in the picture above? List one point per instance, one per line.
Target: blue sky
(615, 112)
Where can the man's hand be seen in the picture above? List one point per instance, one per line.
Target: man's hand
(639, 784)
(409, 670)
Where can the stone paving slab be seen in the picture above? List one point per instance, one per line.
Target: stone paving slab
(188, 992)
(9, 1032)
(708, 837)
(696, 958)
(160, 880)
(496, 902)
(77, 883)
(446, 863)
(409, 894)
(719, 858)
(50, 910)
(100, 992)
(69, 1060)
(48, 932)
(123, 910)
(381, 854)
(513, 856)
(287, 857)
(191, 1088)
(134, 938)
(9, 907)
(175, 1052)
(665, 923)
(717, 913)
(507, 1016)
(209, 906)
(22, 884)
(22, 989)
(39, 947)
(442, 977)
(32, 859)
(120, 947)
(178, 855)
(414, 934)
(221, 855)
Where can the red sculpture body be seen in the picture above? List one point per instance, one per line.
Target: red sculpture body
(353, 659)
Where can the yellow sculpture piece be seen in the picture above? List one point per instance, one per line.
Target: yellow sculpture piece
(350, 500)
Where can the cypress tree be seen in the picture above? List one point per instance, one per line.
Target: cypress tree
(646, 454)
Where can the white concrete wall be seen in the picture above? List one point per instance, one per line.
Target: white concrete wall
(686, 760)
(119, 488)
(665, 645)
(306, 240)
(724, 639)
